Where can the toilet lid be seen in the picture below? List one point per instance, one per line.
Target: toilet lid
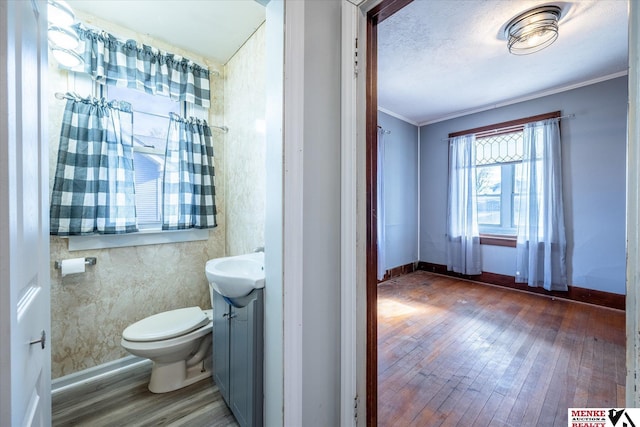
(166, 325)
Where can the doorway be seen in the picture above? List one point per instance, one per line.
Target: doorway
(378, 14)
(374, 17)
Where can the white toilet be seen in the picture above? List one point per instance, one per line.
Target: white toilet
(179, 344)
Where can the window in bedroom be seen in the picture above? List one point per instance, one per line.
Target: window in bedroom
(499, 154)
(498, 160)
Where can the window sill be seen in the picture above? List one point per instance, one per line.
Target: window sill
(498, 240)
(141, 238)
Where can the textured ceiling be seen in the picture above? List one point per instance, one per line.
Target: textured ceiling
(212, 28)
(441, 59)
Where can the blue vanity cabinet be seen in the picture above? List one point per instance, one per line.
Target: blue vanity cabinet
(238, 355)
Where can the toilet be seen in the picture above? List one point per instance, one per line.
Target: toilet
(178, 342)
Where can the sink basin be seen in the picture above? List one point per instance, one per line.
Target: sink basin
(236, 276)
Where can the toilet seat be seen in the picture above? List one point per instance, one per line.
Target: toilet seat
(166, 325)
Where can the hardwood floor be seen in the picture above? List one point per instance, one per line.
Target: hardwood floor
(124, 400)
(459, 353)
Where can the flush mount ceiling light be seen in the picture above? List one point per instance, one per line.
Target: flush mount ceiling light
(533, 30)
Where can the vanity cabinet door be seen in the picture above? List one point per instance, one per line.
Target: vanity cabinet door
(240, 370)
(237, 355)
(221, 312)
(246, 358)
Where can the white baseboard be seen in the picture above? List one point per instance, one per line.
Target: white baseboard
(96, 373)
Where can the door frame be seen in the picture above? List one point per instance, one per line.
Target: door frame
(374, 15)
(632, 389)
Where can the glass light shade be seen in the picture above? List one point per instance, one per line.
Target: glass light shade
(66, 57)
(533, 30)
(62, 37)
(60, 13)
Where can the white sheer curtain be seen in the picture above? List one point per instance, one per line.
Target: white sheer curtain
(463, 238)
(382, 253)
(541, 244)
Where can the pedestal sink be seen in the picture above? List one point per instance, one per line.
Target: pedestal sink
(236, 276)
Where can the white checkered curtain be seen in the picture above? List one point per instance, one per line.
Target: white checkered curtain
(127, 64)
(189, 192)
(93, 189)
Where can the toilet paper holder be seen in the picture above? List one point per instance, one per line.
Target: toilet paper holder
(87, 261)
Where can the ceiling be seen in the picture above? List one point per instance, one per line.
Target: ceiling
(213, 28)
(447, 58)
(436, 59)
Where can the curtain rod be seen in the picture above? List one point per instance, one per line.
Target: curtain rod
(61, 96)
(384, 130)
(496, 130)
(222, 128)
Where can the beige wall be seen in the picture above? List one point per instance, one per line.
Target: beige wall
(244, 108)
(90, 310)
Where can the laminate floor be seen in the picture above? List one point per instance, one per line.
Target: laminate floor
(459, 353)
(124, 400)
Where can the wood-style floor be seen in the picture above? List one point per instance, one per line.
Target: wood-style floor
(124, 400)
(458, 353)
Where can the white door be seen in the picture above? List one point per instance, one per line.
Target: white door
(25, 379)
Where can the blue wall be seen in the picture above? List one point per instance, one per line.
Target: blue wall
(401, 190)
(594, 169)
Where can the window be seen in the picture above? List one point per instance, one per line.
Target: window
(498, 161)
(150, 126)
(499, 155)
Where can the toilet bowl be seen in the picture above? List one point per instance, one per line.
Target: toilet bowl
(178, 342)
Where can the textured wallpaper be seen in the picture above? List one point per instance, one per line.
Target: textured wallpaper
(244, 111)
(89, 311)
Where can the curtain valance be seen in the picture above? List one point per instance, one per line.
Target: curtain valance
(125, 63)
